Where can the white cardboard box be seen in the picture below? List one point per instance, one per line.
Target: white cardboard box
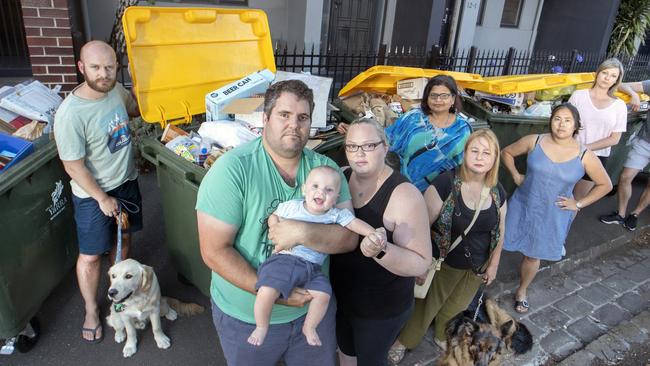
(321, 88)
(411, 88)
(254, 83)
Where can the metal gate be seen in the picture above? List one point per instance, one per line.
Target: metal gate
(14, 55)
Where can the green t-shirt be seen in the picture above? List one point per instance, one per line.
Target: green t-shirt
(98, 131)
(242, 189)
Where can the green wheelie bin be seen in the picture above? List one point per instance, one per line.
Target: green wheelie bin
(38, 245)
(508, 129)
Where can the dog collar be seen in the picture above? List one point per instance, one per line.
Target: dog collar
(118, 307)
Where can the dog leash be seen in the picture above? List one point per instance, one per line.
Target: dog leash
(480, 302)
(132, 209)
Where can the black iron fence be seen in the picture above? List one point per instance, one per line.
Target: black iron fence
(343, 67)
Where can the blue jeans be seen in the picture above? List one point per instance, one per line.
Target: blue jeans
(283, 341)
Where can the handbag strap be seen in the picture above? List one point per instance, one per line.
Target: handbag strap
(485, 192)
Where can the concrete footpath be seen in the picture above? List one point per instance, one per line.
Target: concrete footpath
(593, 305)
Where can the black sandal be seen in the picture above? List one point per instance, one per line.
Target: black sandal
(522, 306)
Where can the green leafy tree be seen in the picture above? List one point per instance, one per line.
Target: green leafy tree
(632, 23)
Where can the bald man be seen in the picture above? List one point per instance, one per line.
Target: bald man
(94, 144)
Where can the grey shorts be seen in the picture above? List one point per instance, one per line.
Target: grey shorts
(283, 341)
(639, 155)
(284, 272)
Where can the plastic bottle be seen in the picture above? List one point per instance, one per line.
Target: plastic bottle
(204, 150)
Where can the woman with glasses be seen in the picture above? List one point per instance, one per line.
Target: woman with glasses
(542, 207)
(452, 201)
(374, 283)
(430, 140)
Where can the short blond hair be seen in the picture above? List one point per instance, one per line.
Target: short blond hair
(492, 176)
(611, 63)
(372, 121)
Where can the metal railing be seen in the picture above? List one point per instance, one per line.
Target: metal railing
(342, 67)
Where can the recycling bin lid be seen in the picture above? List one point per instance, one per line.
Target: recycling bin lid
(178, 55)
(526, 83)
(383, 79)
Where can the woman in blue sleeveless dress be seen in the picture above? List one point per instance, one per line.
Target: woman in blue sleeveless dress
(541, 210)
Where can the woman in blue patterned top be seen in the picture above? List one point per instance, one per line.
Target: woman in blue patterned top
(430, 140)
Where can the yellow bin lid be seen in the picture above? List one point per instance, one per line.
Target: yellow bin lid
(526, 83)
(178, 55)
(383, 79)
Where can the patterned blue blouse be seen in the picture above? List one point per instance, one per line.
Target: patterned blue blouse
(424, 150)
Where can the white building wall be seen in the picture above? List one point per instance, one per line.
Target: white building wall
(490, 35)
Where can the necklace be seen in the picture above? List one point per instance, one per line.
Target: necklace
(437, 132)
(361, 193)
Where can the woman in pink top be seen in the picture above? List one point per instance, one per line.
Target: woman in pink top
(603, 116)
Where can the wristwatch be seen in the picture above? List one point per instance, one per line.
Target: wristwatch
(579, 205)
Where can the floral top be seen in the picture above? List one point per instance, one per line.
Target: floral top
(426, 151)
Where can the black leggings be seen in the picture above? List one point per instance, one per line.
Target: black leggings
(369, 340)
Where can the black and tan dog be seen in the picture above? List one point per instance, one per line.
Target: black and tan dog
(483, 341)
(135, 294)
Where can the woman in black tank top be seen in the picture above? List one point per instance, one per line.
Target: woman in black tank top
(374, 283)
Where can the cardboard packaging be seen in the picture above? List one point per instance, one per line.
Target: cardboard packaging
(248, 110)
(321, 88)
(411, 88)
(513, 100)
(255, 83)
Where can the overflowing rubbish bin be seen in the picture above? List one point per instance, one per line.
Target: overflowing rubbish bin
(38, 245)
(216, 48)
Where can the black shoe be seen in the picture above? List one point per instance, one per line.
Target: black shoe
(630, 222)
(613, 218)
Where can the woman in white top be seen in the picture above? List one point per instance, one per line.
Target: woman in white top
(603, 116)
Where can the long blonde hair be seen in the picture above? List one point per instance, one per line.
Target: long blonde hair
(611, 63)
(492, 176)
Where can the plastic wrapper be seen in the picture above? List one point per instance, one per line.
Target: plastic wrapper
(227, 133)
(184, 147)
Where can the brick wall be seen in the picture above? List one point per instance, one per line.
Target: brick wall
(49, 39)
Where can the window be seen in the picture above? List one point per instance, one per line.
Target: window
(481, 13)
(511, 13)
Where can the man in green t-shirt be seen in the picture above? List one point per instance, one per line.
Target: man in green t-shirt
(235, 199)
(94, 144)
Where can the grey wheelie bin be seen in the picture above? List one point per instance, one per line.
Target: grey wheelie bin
(38, 245)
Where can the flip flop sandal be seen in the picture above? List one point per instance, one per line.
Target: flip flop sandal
(95, 339)
(396, 354)
(522, 306)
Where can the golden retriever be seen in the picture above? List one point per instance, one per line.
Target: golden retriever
(136, 298)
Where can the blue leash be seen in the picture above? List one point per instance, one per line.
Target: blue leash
(132, 209)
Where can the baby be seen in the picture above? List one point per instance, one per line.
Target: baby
(300, 266)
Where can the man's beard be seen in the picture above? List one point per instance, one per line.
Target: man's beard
(95, 85)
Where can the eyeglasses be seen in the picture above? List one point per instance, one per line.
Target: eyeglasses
(443, 97)
(371, 146)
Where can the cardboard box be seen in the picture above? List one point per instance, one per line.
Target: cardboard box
(411, 88)
(249, 110)
(321, 88)
(255, 83)
(513, 100)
